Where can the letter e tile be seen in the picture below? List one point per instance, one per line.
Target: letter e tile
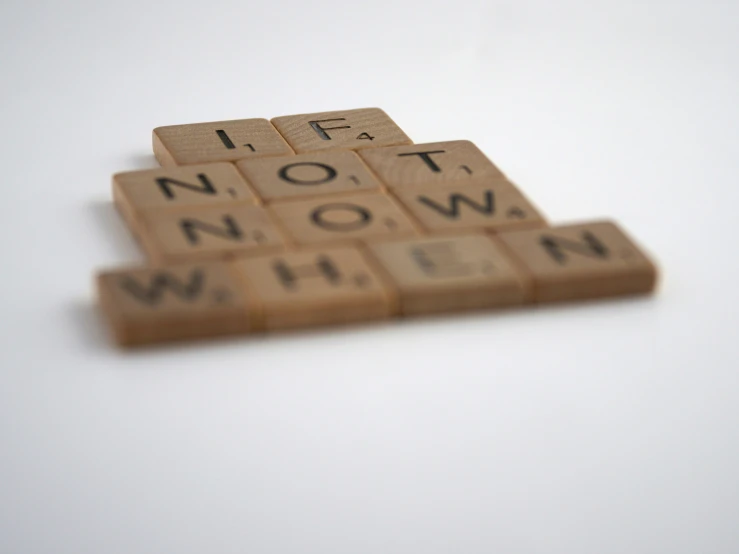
(451, 273)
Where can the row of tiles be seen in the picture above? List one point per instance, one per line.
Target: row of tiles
(221, 141)
(273, 179)
(339, 285)
(215, 231)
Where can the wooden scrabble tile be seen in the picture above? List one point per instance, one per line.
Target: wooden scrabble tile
(311, 174)
(457, 162)
(217, 141)
(194, 185)
(451, 273)
(208, 232)
(148, 305)
(588, 260)
(349, 129)
(310, 288)
(347, 217)
(498, 206)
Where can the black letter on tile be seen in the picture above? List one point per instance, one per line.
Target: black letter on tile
(165, 183)
(592, 248)
(324, 267)
(364, 217)
(225, 140)
(330, 173)
(456, 199)
(322, 130)
(231, 230)
(426, 157)
(152, 293)
(439, 259)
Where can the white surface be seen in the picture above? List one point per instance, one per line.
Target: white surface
(601, 428)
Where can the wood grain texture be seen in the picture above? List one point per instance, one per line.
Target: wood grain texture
(316, 287)
(136, 192)
(342, 218)
(308, 175)
(245, 235)
(451, 273)
(497, 206)
(457, 162)
(208, 233)
(347, 129)
(217, 141)
(588, 260)
(183, 302)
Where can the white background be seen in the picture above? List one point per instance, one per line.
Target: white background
(598, 428)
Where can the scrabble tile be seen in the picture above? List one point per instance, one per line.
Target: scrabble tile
(348, 129)
(451, 273)
(588, 260)
(136, 192)
(497, 206)
(310, 288)
(340, 218)
(217, 141)
(311, 174)
(148, 305)
(209, 232)
(457, 162)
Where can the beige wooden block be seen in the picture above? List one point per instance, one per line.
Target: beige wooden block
(457, 162)
(312, 174)
(347, 217)
(208, 232)
(497, 206)
(217, 141)
(311, 288)
(348, 129)
(451, 273)
(581, 261)
(149, 305)
(136, 192)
